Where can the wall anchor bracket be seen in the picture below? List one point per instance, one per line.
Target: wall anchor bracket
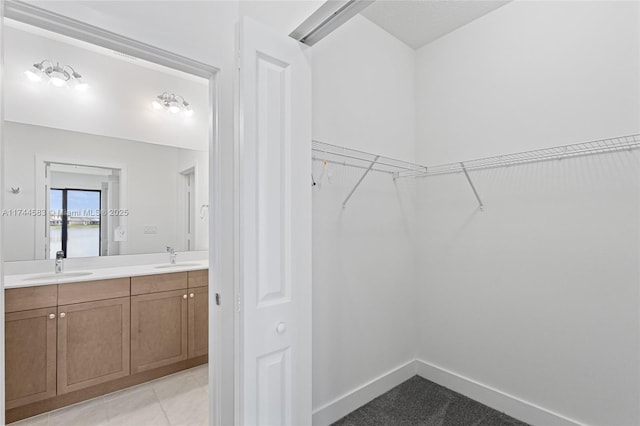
(364, 175)
(464, 169)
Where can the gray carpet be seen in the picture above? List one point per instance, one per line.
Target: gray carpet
(419, 402)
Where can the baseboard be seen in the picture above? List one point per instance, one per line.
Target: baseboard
(355, 399)
(498, 400)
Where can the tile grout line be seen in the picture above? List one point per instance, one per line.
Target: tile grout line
(166, 416)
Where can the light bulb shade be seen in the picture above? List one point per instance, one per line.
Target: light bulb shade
(57, 81)
(33, 74)
(58, 76)
(78, 84)
(172, 103)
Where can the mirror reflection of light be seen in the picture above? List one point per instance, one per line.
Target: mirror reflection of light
(172, 103)
(79, 85)
(33, 76)
(57, 81)
(57, 76)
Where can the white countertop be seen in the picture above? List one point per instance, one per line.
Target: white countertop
(93, 274)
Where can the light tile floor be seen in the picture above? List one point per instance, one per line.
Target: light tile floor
(176, 400)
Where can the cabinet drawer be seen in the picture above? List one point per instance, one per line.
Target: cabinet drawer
(22, 299)
(199, 278)
(89, 291)
(158, 283)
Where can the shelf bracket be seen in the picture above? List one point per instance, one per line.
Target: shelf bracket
(464, 169)
(364, 175)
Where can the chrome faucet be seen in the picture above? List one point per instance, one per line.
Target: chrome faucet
(59, 266)
(172, 255)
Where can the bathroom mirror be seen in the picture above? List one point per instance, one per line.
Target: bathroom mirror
(108, 153)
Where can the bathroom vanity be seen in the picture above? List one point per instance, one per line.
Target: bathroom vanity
(71, 339)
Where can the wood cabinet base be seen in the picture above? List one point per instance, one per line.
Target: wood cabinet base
(60, 401)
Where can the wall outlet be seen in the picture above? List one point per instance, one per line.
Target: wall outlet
(151, 229)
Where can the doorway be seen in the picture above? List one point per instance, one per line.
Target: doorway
(187, 210)
(65, 195)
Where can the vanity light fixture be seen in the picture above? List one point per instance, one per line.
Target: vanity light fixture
(58, 76)
(172, 103)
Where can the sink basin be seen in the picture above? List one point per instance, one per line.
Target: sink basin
(60, 275)
(178, 265)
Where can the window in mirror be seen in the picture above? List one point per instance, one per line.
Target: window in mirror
(75, 226)
(89, 195)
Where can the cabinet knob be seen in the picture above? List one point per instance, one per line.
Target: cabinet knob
(191, 294)
(52, 316)
(184, 297)
(281, 328)
(62, 315)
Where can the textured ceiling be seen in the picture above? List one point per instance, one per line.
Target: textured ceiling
(418, 22)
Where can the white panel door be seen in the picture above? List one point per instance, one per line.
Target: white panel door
(275, 228)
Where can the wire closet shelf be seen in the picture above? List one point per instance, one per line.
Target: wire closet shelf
(545, 154)
(333, 154)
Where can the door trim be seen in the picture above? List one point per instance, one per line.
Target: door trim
(2, 161)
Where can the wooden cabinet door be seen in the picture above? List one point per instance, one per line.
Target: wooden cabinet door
(93, 343)
(198, 321)
(30, 356)
(158, 329)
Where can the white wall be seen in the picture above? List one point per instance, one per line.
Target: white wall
(152, 183)
(363, 269)
(364, 90)
(537, 296)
